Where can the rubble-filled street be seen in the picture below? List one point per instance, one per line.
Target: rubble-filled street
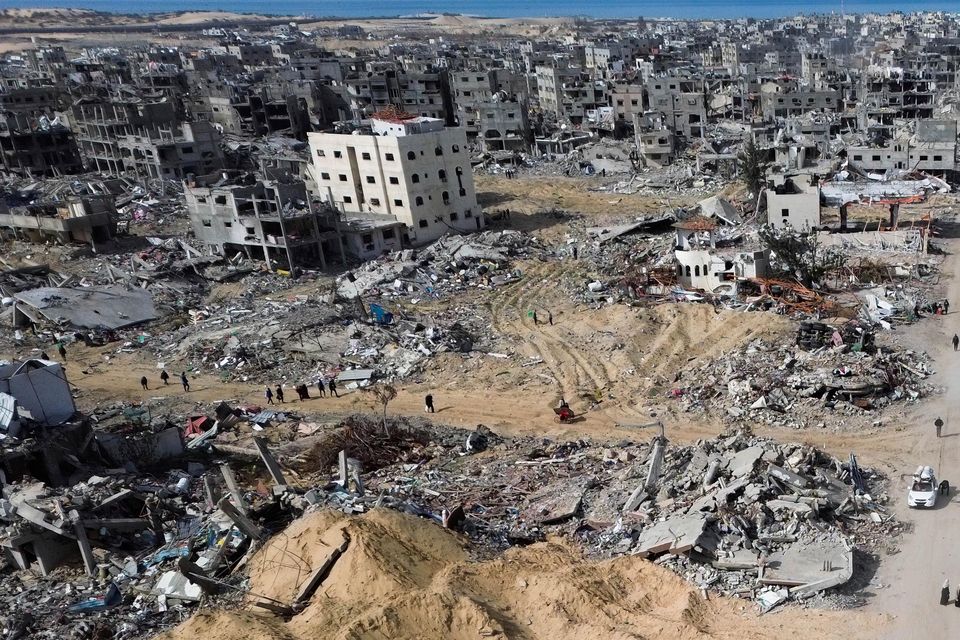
(462, 327)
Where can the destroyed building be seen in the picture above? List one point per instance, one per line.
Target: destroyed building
(269, 220)
(76, 219)
(31, 146)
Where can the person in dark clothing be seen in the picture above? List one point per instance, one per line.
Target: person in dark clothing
(333, 388)
(320, 388)
(946, 306)
(550, 317)
(428, 404)
(945, 593)
(143, 383)
(563, 403)
(938, 423)
(184, 381)
(164, 377)
(62, 351)
(44, 356)
(534, 318)
(302, 392)
(575, 253)
(279, 394)
(956, 341)
(268, 394)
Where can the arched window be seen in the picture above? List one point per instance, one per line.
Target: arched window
(438, 151)
(419, 201)
(696, 270)
(679, 269)
(442, 175)
(688, 270)
(459, 171)
(411, 155)
(446, 197)
(414, 178)
(456, 148)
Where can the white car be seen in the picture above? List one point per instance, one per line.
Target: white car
(923, 488)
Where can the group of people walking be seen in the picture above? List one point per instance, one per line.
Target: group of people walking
(165, 379)
(303, 391)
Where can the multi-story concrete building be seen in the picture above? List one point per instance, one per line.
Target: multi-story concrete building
(569, 92)
(269, 220)
(409, 167)
(32, 147)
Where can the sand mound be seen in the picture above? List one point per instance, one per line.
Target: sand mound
(404, 578)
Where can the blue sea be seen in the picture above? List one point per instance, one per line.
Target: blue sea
(506, 8)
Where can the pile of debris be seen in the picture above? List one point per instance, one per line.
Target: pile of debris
(837, 369)
(741, 515)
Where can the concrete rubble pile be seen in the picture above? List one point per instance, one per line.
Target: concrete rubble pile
(828, 375)
(137, 535)
(740, 515)
(447, 267)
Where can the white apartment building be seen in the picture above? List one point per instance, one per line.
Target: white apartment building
(411, 168)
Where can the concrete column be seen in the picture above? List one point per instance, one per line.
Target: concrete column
(894, 215)
(843, 217)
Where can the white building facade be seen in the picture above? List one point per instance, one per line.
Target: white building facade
(412, 168)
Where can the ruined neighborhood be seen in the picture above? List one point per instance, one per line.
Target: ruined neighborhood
(443, 326)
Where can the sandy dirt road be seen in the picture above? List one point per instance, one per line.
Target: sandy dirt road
(927, 556)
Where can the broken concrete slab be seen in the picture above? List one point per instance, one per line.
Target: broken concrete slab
(555, 502)
(675, 535)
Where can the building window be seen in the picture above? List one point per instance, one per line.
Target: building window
(414, 178)
(876, 158)
(374, 202)
(220, 199)
(389, 156)
(371, 180)
(454, 216)
(398, 203)
(367, 238)
(858, 158)
(784, 213)
(411, 155)
(438, 151)
(343, 177)
(468, 213)
(696, 270)
(388, 234)
(324, 175)
(418, 201)
(937, 158)
(442, 175)
(365, 155)
(206, 223)
(456, 148)
(687, 270)
(463, 192)
(394, 180)
(446, 197)
(337, 154)
(228, 225)
(923, 158)
(423, 224)
(347, 200)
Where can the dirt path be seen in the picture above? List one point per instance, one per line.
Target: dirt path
(927, 556)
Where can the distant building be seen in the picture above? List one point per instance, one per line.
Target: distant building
(794, 201)
(83, 219)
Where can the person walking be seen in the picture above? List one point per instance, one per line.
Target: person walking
(428, 404)
(62, 351)
(945, 592)
(268, 394)
(938, 423)
(333, 388)
(164, 377)
(320, 388)
(534, 317)
(143, 383)
(946, 306)
(279, 394)
(550, 317)
(184, 381)
(956, 341)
